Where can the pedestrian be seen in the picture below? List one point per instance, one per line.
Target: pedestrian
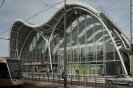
(77, 73)
(36, 69)
(100, 71)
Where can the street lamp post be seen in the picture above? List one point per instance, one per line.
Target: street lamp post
(65, 60)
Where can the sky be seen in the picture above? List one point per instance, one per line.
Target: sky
(11, 10)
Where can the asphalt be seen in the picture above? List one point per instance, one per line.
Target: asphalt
(55, 85)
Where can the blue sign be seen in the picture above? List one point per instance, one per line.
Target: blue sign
(63, 75)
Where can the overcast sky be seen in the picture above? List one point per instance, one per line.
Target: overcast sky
(118, 10)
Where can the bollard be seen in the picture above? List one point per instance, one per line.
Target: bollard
(28, 76)
(53, 78)
(48, 77)
(71, 79)
(35, 77)
(25, 76)
(59, 78)
(78, 80)
(105, 82)
(32, 76)
(86, 80)
(95, 82)
(43, 76)
(39, 77)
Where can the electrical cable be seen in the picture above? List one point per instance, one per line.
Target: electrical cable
(4, 32)
(3, 3)
(43, 11)
(4, 39)
(43, 3)
(33, 15)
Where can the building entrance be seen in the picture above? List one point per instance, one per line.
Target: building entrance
(96, 69)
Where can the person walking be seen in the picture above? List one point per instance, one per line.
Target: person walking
(77, 73)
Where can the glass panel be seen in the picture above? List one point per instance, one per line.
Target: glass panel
(113, 68)
(109, 51)
(116, 55)
(4, 71)
(15, 69)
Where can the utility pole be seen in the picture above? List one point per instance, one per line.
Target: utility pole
(131, 29)
(65, 60)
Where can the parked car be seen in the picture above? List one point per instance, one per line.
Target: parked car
(121, 79)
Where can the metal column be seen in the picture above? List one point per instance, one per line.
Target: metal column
(131, 29)
(65, 59)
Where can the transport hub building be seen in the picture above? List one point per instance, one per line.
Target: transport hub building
(95, 46)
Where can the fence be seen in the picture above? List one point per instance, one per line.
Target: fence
(79, 80)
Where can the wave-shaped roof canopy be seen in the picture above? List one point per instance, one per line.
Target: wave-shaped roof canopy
(56, 22)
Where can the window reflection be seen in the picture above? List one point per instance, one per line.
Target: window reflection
(89, 48)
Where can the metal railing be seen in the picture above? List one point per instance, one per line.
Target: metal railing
(78, 80)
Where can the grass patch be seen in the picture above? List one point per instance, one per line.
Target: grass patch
(27, 86)
(33, 86)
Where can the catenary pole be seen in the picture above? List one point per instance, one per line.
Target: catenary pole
(131, 31)
(65, 60)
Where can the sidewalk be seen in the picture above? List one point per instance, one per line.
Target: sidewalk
(56, 85)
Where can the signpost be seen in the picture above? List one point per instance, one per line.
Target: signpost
(63, 75)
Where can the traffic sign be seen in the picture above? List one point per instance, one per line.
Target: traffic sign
(63, 75)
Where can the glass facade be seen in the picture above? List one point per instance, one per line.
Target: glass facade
(92, 48)
(89, 49)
